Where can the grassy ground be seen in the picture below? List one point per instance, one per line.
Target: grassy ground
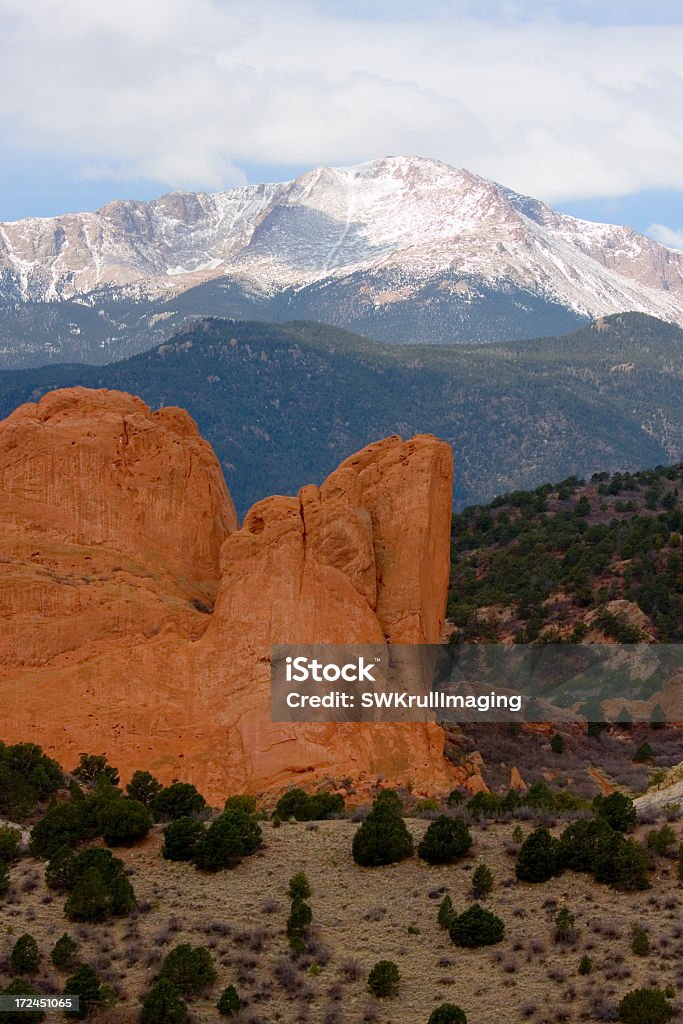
(361, 916)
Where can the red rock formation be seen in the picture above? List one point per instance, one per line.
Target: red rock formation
(116, 519)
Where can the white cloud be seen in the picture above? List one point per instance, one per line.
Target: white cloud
(187, 92)
(667, 236)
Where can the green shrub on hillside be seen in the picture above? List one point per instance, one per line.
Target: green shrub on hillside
(645, 1006)
(618, 811)
(445, 841)
(64, 952)
(179, 800)
(476, 927)
(189, 968)
(180, 839)
(163, 1004)
(539, 858)
(25, 956)
(21, 987)
(143, 787)
(384, 979)
(85, 984)
(296, 803)
(383, 838)
(447, 1013)
(232, 836)
(124, 822)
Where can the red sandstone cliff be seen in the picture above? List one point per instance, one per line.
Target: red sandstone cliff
(116, 528)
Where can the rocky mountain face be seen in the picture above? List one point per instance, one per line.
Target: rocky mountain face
(401, 248)
(140, 616)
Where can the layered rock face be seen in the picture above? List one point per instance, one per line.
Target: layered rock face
(118, 536)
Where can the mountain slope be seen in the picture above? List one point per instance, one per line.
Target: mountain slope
(598, 559)
(283, 404)
(403, 248)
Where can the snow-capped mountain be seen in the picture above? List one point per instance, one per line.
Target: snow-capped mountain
(404, 248)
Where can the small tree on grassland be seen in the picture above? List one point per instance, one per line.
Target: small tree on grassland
(384, 979)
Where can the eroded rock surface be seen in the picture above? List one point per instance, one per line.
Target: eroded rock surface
(118, 538)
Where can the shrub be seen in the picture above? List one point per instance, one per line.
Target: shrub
(62, 825)
(27, 776)
(383, 837)
(384, 979)
(645, 1006)
(539, 858)
(25, 956)
(298, 922)
(476, 927)
(482, 881)
(644, 754)
(427, 805)
(10, 840)
(488, 804)
(581, 842)
(623, 864)
(124, 822)
(565, 926)
(85, 984)
(299, 886)
(60, 869)
(241, 802)
(189, 968)
(163, 1004)
(296, 803)
(447, 1013)
(445, 841)
(661, 841)
(143, 787)
(91, 767)
(585, 964)
(446, 912)
(557, 743)
(21, 987)
(618, 811)
(455, 798)
(63, 954)
(4, 878)
(179, 800)
(100, 887)
(232, 836)
(229, 1004)
(640, 943)
(180, 838)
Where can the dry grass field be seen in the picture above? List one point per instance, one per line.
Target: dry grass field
(360, 916)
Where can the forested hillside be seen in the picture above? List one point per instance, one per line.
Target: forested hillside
(562, 561)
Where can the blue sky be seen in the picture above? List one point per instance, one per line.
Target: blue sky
(575, 103)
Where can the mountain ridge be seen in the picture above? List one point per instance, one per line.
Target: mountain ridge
(403, 248)
(283, 404)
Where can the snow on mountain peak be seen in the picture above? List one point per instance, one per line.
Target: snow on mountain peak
(408, 218)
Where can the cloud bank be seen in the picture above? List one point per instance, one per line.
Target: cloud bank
(189, 93)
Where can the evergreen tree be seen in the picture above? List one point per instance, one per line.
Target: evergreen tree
(539, 858)
(383, 837)
(85, 984)
(163, 1004)
(63, 954)
(229, 1004)
(445, 841)
(25, 956)
(476, 927)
